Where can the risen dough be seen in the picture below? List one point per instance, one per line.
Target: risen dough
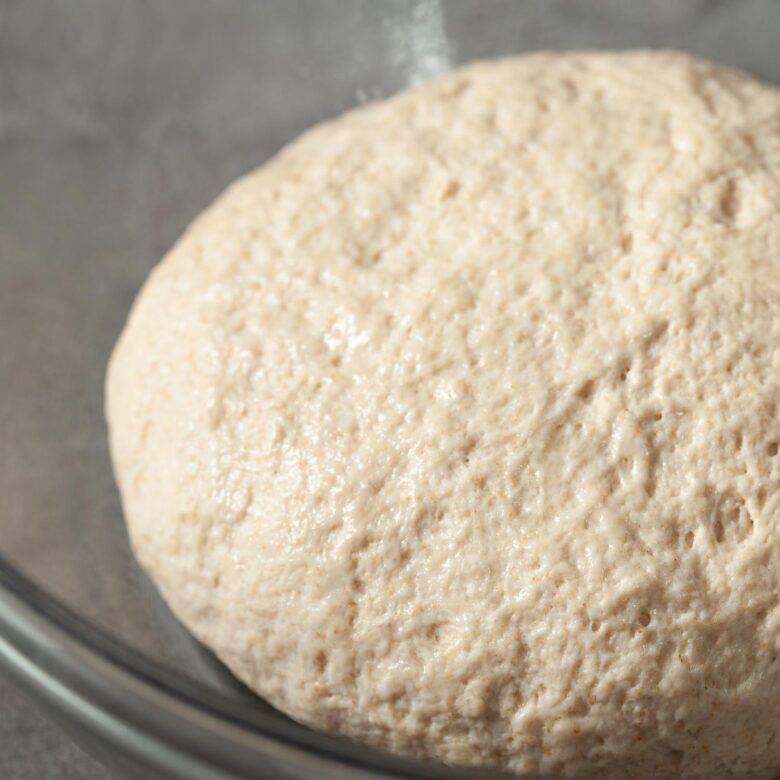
(454, 428)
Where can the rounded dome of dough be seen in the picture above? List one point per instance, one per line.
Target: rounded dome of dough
(454, 428)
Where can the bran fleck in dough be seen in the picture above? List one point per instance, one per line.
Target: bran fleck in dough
(454, 428)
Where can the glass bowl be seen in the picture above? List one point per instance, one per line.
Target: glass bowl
(119, 122)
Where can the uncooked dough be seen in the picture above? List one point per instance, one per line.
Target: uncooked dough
(454, 428)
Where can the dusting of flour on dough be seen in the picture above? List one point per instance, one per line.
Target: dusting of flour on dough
(455, 428)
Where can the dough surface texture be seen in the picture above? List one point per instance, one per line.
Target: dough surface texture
(454, 428)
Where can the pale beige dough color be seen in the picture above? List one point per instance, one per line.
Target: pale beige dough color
(455, 429)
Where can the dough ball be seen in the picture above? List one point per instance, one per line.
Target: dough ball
(454, 428)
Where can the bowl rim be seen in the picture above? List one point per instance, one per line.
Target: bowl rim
(161, 717)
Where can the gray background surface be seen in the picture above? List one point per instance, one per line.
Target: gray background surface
(119, 120)
(33, 748)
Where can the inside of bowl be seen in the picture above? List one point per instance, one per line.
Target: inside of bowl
(118, 123)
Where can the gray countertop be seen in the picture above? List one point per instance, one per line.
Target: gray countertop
(33, 748)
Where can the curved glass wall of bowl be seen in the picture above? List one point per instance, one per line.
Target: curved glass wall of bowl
(119, 122)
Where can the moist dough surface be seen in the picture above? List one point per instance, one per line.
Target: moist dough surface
(454, 428)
